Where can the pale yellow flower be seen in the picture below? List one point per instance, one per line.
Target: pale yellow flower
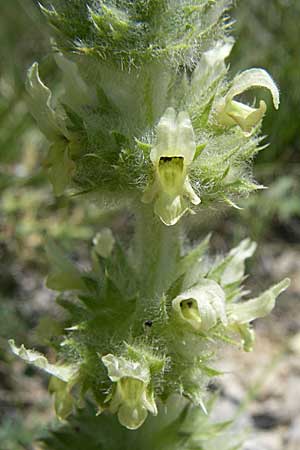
(131, 397)
(171, 156)
(230, 112)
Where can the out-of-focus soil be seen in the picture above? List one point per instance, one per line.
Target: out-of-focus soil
(262, 389)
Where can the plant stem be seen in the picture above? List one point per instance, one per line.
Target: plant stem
(157, 250)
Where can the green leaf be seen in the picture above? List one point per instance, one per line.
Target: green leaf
(194, 257)
(49, 121)
(64, 275)
(63, 400)
(247, 335)
(210, 371)
(120, 272)
(232, 268)
(61, 166)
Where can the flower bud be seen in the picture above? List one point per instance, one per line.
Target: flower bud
(104, 242)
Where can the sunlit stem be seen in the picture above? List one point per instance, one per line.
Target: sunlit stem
(157, 251)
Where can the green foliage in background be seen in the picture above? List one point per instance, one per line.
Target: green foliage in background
(16, 54)
(268, 36)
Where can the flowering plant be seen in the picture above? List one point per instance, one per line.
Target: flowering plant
(148, 121)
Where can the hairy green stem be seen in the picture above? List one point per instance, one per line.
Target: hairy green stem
(157, 249)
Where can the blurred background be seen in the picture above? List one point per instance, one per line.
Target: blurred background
(261, 389)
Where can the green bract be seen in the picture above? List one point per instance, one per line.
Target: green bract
(131, 34)
(231, 269)
(53, 124)
(63, 399)
(63, 274)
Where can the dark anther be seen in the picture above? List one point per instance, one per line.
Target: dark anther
(189, 303)
(165, 159)
(148, 323)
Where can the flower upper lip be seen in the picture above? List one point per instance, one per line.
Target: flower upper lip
(231, 112)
